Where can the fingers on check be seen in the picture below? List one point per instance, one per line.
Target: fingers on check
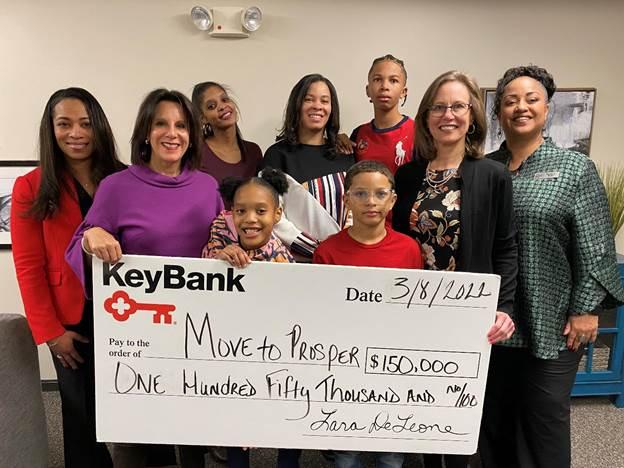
(114, 252)
(243, 259)
(229, 256)
(495, 334)
(502, 329)
(108, 252)
(237, 257)
(499, 334)
(508, 330)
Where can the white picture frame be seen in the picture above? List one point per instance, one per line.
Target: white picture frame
(569, 124)
(9, 171)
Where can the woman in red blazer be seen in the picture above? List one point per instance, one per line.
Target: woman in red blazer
(76, 151)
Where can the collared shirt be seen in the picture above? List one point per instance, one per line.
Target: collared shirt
(392, 146)
(567, 262)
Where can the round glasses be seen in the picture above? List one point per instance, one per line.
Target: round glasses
(458, 109)
(364, 195)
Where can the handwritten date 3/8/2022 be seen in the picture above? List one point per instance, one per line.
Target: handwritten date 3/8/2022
(421, 291)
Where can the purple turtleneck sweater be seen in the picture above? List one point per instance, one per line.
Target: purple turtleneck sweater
(151, 214)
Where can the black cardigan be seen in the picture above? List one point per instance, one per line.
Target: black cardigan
(487, 236)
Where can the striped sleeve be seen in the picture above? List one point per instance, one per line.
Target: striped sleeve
(329, 191)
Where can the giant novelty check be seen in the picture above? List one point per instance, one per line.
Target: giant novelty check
(192, 351)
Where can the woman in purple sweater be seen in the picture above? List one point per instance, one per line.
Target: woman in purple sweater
(161, 205)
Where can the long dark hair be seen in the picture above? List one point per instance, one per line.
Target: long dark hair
(104, 159)
(141, 151)
(292, 116)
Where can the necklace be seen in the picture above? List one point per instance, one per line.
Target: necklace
(438, 185)
(86, 185)
(82, 177)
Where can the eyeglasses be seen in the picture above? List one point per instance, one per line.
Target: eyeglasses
(458, 109)
(364, 195)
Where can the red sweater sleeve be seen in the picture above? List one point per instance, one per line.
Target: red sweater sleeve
(30, 265)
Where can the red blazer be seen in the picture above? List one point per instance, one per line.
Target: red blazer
(51, 292)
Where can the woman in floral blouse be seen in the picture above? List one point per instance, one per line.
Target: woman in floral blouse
(567, 269)
(457, 204)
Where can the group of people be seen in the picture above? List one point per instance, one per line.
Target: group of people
(397, 193)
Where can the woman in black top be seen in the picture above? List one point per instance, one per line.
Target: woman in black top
(457, 204)
(306, 151)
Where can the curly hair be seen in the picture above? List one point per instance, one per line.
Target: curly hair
(532, 71)
(425, 146)
(272, 179)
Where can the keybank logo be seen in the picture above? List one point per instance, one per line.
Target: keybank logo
(121, 306)
(171, 277)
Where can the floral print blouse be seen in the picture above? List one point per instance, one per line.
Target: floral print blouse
(435, 219)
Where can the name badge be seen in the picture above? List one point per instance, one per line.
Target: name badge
(546, 175)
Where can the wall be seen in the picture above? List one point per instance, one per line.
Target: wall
(120, 50)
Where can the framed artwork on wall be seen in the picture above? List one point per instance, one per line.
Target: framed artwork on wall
(9, 171)
(569, 124)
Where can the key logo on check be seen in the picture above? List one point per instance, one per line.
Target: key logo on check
(121, 306)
